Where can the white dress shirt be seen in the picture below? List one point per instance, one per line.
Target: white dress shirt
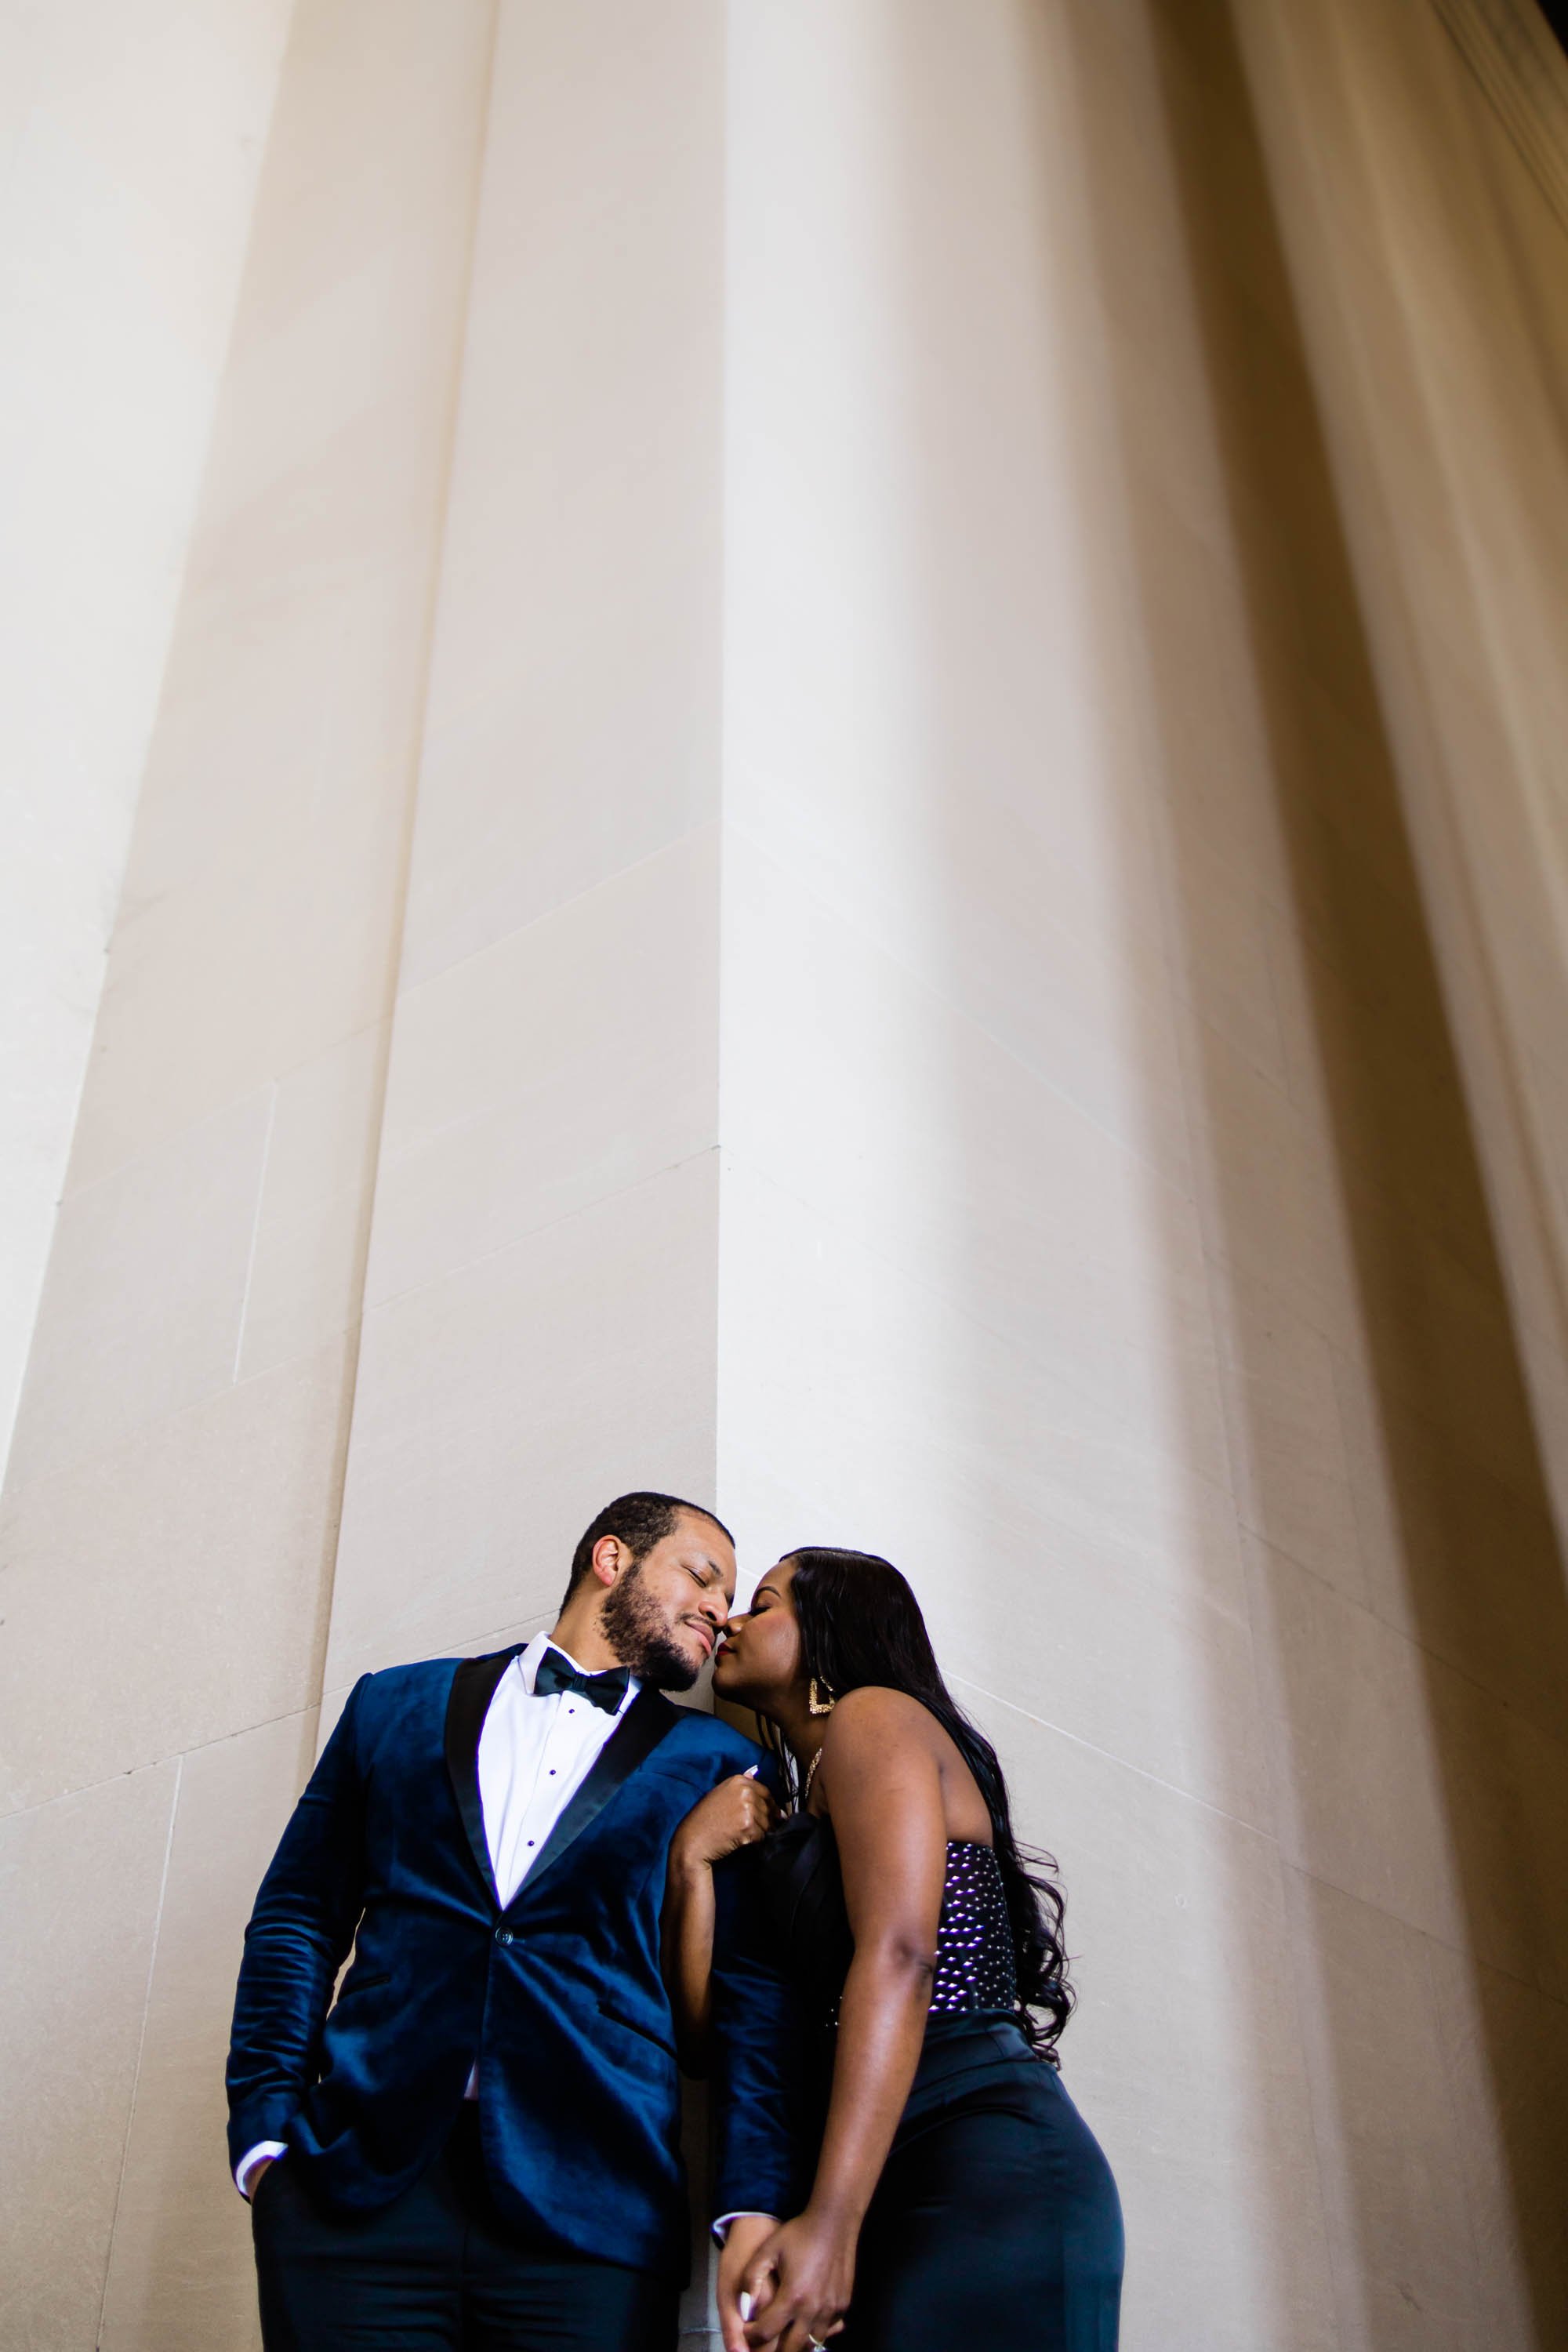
(534, 1755)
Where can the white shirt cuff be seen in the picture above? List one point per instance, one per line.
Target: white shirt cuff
(252, 2158)
(747, 2213)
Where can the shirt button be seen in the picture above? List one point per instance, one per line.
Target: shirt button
(503, 1935)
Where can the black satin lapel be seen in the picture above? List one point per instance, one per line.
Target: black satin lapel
(473, 1687)
(635, 1737)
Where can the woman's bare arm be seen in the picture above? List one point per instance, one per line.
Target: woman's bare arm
(686, 1931)
(737, 1812)
(882, 1784)
(881, 1776)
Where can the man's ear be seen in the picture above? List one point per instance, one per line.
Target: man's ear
(609, 1560)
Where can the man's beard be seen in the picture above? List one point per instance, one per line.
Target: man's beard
(641, 1639)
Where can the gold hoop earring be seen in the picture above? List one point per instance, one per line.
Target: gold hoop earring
(815, 1704)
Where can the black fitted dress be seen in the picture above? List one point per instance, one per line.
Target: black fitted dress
(996, 2222)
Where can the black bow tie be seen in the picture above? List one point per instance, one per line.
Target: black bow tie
(554, 1672)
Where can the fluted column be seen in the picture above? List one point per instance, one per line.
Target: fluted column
(170, 1518)
(854, 812)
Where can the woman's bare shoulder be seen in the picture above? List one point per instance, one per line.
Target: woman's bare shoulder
(873, 1717)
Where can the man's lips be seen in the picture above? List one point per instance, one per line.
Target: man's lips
(706, 1634)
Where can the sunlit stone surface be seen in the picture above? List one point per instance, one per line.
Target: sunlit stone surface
(855, 806)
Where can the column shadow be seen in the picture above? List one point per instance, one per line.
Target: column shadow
(1456, 1545)
(1102, 1634)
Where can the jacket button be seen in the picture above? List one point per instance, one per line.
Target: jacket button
(503, 1935)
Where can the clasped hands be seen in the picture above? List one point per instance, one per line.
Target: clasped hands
(798, 2274)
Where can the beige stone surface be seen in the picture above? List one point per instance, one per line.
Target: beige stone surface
(1447, 396)
(1371, 1063)
(260, 920)
(843, 1369)
(1265, 1190)
(564, 1063)
(171, 1525)
(83, 1885)
(177, 1589)
(181, 2279)
(1289, 1461)
(1354, 1757)
(145, 1291)
(948, 648)
(1164, 1685)
(1457, 1558)
(575, 705)
(1505, 2052)
(919, 1349)
(1186, 2054)
(829, 1036)
(908, 735)
(243, 1005)
(312, 1223)
(1406, 1783)
(117, 296)
(1218, 930)
(1505, 1803)
(1391, 2123)
(497, 1410)
(1211, 758)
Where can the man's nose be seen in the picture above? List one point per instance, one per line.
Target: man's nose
(716, 1605)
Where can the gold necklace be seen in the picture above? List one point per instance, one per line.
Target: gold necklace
(810, 1776)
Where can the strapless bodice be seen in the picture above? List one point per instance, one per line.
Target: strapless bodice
(803, 1898)
(976, 1966)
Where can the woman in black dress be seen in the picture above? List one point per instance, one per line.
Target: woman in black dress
(960, 2199)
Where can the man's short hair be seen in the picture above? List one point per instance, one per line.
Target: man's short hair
(639, 1522)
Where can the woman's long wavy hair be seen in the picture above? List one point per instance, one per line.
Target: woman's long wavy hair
(861, 1624)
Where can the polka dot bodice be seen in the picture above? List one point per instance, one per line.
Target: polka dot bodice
(975, 1964)
(802, 1900)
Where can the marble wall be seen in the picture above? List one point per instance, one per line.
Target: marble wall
(837, 820)
(131, 134)
(1328, 1315)
(170, 1520)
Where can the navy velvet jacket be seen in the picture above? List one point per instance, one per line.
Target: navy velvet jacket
(559, 1996)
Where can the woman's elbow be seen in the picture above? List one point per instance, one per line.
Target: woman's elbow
(907, 1961)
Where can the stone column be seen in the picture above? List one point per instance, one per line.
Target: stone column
(171, 1517)
(133, 131)
(780, 861)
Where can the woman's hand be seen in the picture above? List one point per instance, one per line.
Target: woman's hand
(738, 1812)
(800, 2279)
(747, 2232)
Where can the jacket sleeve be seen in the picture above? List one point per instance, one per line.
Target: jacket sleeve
(762, 2074)
(298, 1937)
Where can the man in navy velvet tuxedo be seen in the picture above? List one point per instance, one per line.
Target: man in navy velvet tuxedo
(477, 2144)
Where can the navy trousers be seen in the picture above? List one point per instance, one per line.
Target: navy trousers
(437, 2271)
(996, 2221)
